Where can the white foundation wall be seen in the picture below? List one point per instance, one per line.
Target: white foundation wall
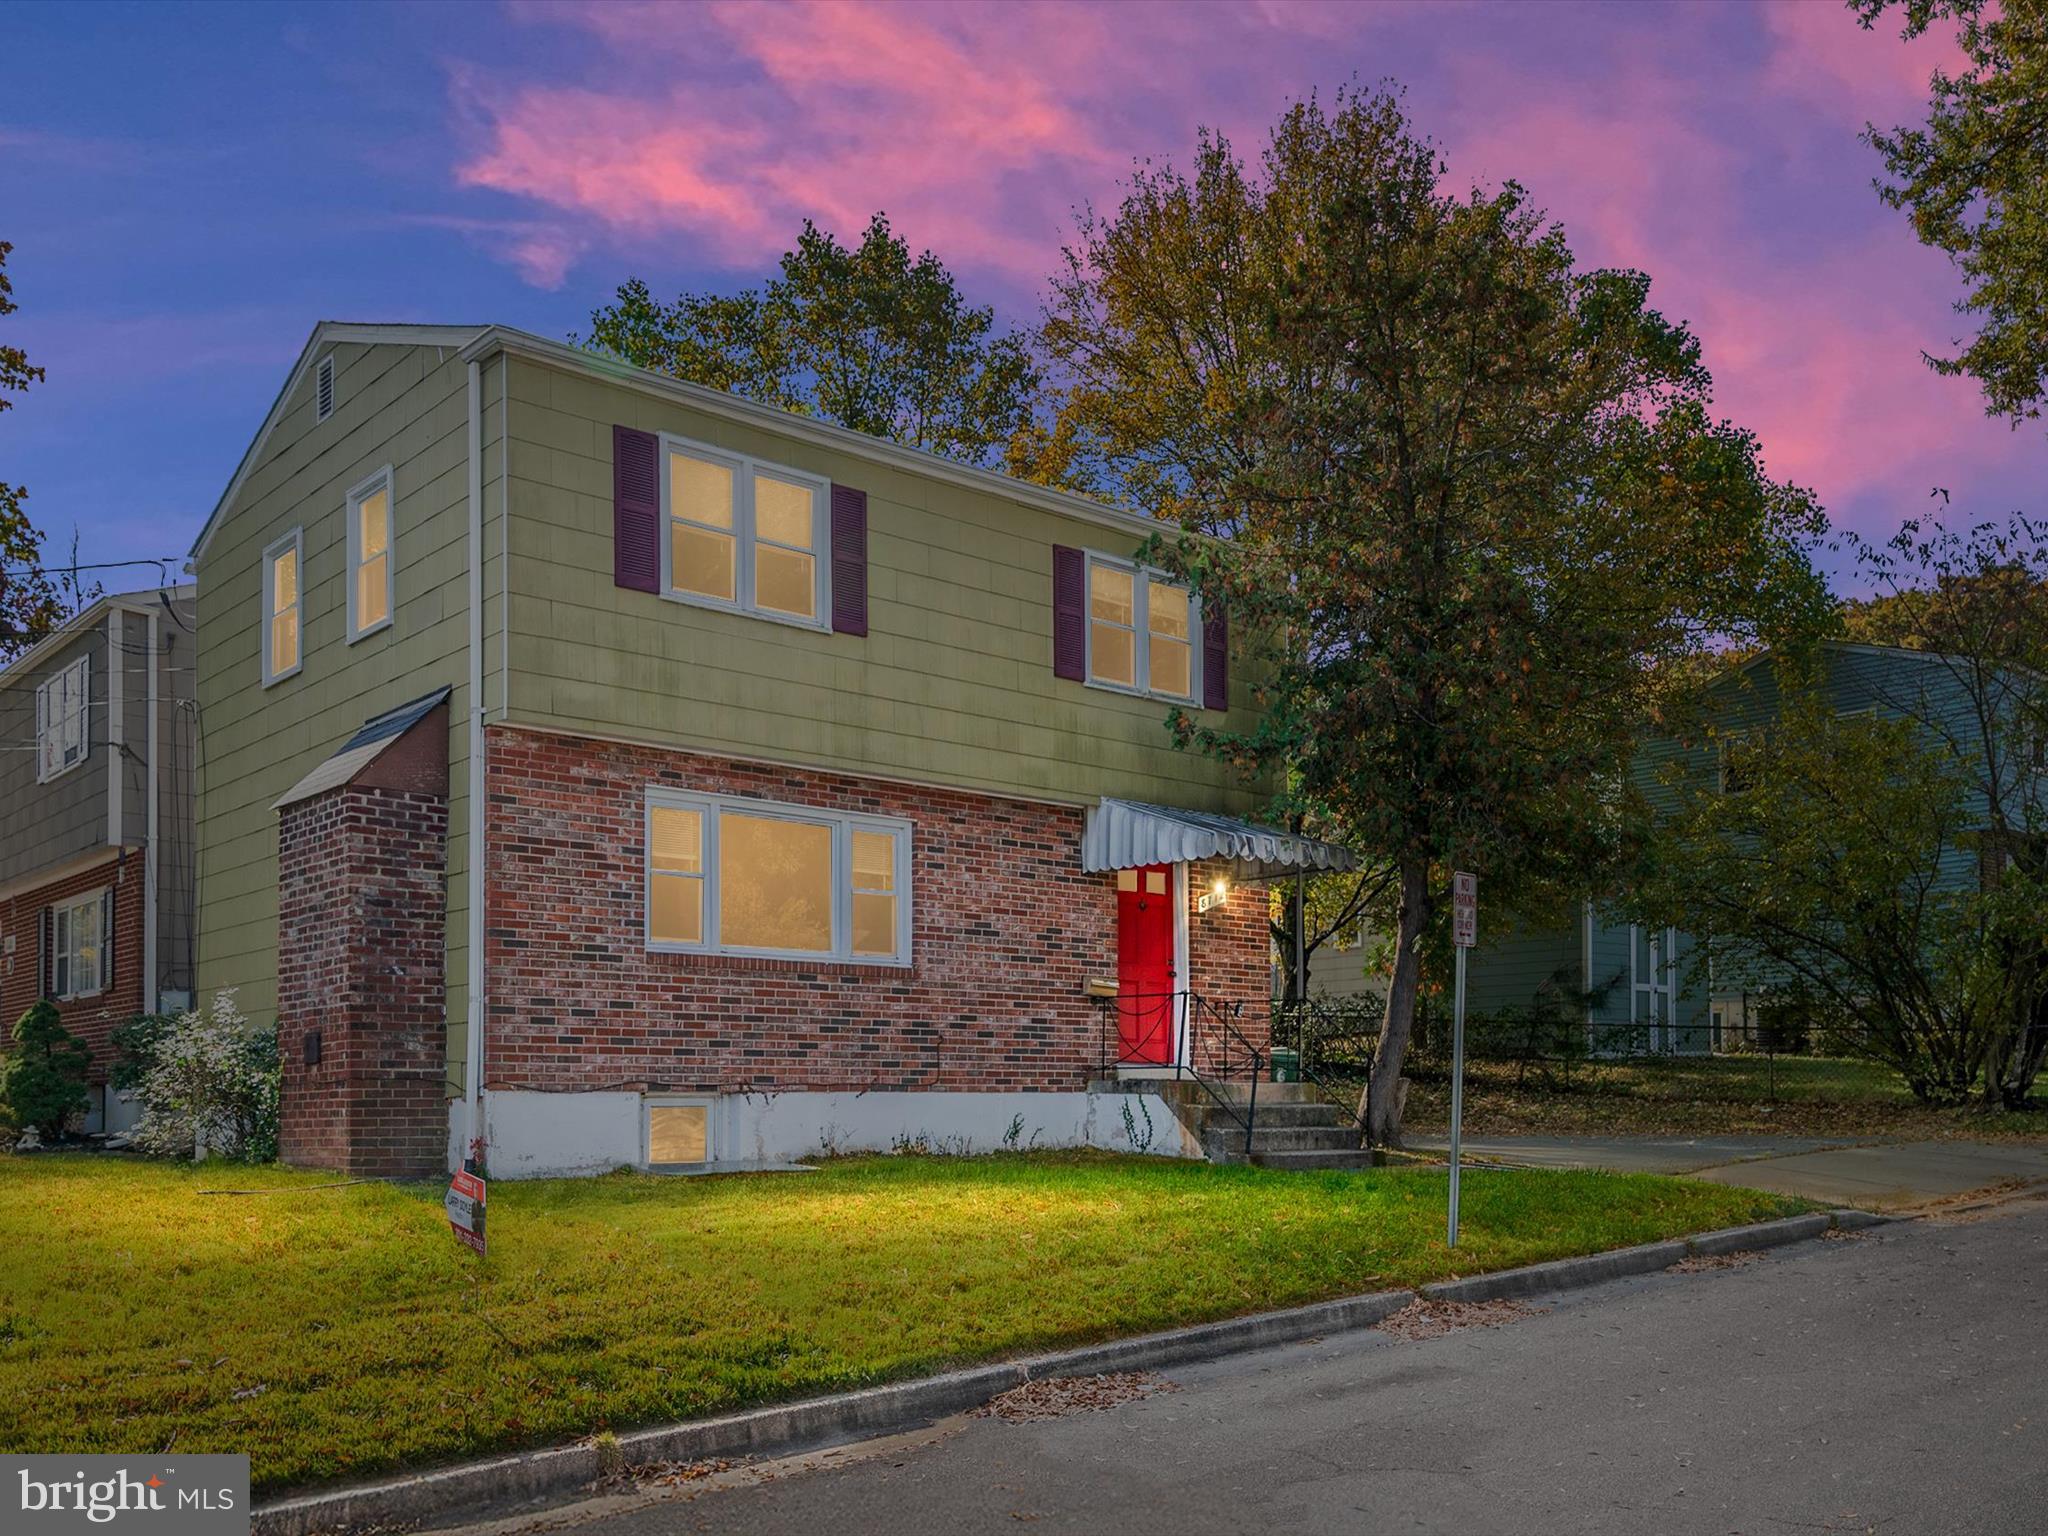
(553, 1135)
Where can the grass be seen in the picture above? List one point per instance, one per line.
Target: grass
(1702, 1095)
(337, 1332)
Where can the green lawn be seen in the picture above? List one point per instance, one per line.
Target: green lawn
(333, 1333)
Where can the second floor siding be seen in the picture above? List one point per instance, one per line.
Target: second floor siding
(953, 682)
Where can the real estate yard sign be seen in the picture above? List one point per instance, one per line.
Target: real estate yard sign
(465, 1202)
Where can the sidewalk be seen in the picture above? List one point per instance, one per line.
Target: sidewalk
(1884, 1176)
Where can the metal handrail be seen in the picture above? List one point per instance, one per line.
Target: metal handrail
(1194, 1017)
(1317, 1026)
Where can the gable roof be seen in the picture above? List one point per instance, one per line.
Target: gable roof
(144, 601)
(478, 342)
(326, 334)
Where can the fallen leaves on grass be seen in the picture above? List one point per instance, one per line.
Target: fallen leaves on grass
(1702, 1263)
(1057, 1396)
(1434, 1319)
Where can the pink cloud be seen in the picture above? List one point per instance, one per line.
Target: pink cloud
(833, 112)
(1820, 54)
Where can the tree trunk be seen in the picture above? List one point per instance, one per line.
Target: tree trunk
(1383, 1096)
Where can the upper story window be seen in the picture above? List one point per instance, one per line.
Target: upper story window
(78, 946)
(323, 388)
(735, 876)
(1141, 630)
(372, 573)
(63, 731)
(283, 607)
(745, 535)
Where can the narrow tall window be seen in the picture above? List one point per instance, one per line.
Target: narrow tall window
(63, 715)
(76, 942)
(372, 585)
(283, 605)
(1141, 630)
(745, 535)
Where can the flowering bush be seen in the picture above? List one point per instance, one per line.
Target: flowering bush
(211, 1087)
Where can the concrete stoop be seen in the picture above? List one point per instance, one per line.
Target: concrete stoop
(1293, 1127)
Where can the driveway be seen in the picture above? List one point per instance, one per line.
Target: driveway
(1888, 1382)
(1870, 1176)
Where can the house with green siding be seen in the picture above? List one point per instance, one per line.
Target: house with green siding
(1635, 987)
(602, 771)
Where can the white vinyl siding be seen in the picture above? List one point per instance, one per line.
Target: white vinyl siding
(372, 565)
(745, 535)
(63, 720)
(728, 875)
(284, 601)
(1142, 631)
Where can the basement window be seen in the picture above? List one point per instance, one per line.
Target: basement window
(678, 1134)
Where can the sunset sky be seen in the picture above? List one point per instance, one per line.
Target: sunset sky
(189, 190)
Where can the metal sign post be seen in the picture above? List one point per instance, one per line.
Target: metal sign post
(1464, 934)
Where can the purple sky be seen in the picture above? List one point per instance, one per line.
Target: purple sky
(189, 190)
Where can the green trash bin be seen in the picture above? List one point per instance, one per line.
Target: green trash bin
(1286, 1065)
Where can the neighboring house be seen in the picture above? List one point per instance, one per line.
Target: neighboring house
(1634, 985)
(96, 865)
(758, 785)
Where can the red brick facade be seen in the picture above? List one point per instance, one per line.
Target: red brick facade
(92, 1018)
(1007, 931)
(362, 909)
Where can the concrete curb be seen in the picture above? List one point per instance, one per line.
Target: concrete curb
(488, 1485)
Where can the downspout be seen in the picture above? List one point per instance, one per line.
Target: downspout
(149, 852)
(473, 1039)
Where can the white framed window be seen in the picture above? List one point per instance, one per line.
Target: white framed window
(372, 567)
(64, 720)
(323, 389)
(284, 602)
(78, 946)
(734, 876)
(745, 535)
(676, 1133)
(1142, 631)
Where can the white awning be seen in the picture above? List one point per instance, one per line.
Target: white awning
(1125, 834)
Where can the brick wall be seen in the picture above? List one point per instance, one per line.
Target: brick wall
(93, 1018)
(362, 904)
(1007, 931)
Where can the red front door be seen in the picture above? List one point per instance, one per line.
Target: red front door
(1146, 984)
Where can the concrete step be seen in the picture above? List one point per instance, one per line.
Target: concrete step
(1221, 1138)
(1283, 1115)
(1312, 1162)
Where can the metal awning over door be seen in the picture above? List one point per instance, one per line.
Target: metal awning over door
(1129, 834)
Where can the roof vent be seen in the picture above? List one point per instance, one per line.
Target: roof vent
(323, 389)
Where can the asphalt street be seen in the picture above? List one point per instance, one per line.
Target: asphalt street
(1892, 1382)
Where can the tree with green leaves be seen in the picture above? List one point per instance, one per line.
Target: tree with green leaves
(865, 336)
(1974, 180)
(43, 1080)
(29, 603)
(1477, 502)
(1887, 871)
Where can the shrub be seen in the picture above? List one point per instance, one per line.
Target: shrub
(211, 1087)
(44, 1079)
(135, 1047)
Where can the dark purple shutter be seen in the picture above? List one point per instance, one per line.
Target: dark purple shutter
(1215, 657)
(849, 560)
(107, 939)
(49, 952)
(636, 510)
(1069, 613)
